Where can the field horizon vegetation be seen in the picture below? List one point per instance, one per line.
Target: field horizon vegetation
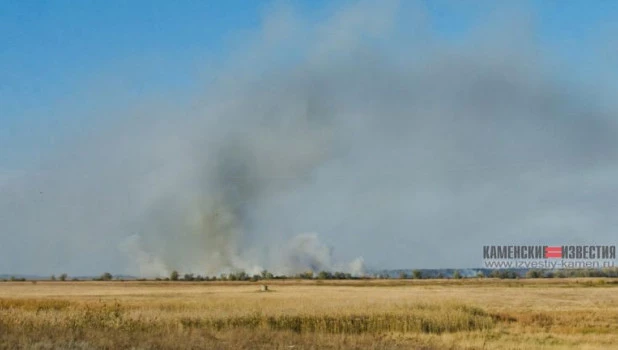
(610, 272)
(466, 313)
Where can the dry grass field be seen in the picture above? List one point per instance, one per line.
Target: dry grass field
(391, 314)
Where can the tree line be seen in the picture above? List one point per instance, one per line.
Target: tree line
(327, 275)
(264, 275)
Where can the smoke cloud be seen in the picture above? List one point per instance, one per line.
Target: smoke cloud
(397, 148)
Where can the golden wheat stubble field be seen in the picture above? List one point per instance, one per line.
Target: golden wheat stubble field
(427, 314)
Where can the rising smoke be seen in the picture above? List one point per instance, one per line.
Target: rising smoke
(387, 142)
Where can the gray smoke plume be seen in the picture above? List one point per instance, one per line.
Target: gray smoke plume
(389, 143)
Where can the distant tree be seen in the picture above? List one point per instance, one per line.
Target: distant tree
(403, 275)
(480, 274)
(611, 272)
(189, 277)
(508, 274)
(418, 274)
(533, 274)
(457, 274)
(53, 277)
(306, 275)
(342, 275)
(238, 276)
(242, 276)
(324, 275)
(174, 275)
(266, 275)
(63, 277)
(106, 276)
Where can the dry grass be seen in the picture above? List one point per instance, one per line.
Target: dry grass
(469, 314)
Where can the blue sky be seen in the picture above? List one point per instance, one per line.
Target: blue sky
(50, 51)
